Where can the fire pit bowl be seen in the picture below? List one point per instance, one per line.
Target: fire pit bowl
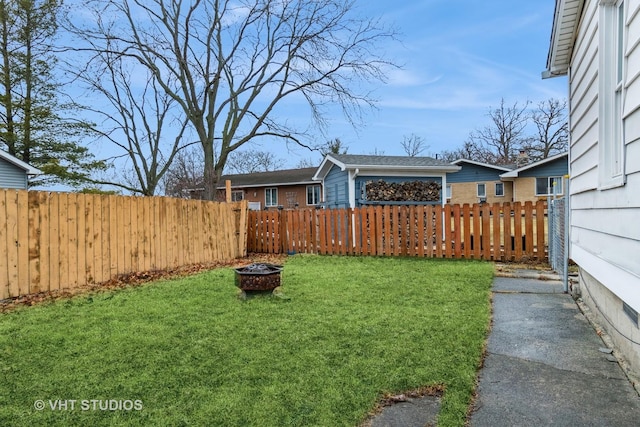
(258, 277)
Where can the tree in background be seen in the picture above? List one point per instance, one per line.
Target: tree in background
(413, 145)
(233, 63)
(501, 142)
(333, 146)
(552, 136)
(138, 118)
(510, 134)
(251, 161)
(35, 126)
(184, 176)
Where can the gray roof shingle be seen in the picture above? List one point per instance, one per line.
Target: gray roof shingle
(280, 177)
(372, 160)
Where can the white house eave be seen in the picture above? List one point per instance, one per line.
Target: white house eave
(563, 33)
(30, 170)
(514, 173)
(486, 165)
(326, 166)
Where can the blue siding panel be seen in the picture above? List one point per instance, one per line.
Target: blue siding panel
(558, 167)
(335, 186)
(12, 176)
(474, 173)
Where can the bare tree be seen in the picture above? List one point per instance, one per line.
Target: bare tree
(235, 61)
(500, 142)
(469, 151)
(250, 161)
(413, 145)
(552, 135)
(307, 163)
(184, 176)
(138, 120)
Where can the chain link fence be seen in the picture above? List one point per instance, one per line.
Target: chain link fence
(559, 231)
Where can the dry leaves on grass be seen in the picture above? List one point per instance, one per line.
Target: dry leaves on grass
(135, 279)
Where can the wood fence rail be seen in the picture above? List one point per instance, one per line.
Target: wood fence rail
(51, 241)
(506, 232)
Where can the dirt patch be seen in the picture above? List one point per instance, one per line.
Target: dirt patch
(134, 279)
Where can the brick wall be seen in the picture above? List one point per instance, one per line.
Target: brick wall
(467, 192)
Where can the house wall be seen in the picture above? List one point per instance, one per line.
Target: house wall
(464, 184)
(288, 195)
(525, 190)
(336, 188)
(12, 176)
(467, 192)
(605, 231)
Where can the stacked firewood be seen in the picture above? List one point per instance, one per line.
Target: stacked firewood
(408, 191)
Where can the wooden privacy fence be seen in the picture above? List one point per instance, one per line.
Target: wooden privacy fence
(51, 241)
(507, 232)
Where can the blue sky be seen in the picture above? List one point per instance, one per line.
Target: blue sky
(459, 58)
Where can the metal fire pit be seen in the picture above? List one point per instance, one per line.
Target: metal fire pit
(258, 277)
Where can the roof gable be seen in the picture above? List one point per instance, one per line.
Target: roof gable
(363, 162)
(527, 170)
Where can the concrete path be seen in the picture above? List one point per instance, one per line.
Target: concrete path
(546, 365)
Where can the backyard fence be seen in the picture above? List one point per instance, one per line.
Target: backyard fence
(506, 232)
(50, 241)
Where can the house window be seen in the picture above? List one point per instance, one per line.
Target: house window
(548, 186)
(313, 194)
(482, 190)
(448, 191)
(271, 197)
(499, 189)
(237, 195)
(611, 93)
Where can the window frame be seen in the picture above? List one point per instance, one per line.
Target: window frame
(448, 192)
(315, 188)
(234, 195)
(549, 183)
(269, 195)
(495, 189)
(484, 190)
(611, 93)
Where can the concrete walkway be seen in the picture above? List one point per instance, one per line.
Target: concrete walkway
(546, 365)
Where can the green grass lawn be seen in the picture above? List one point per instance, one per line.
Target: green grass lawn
(192, 353)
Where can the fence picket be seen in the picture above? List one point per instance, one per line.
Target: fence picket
(453, 231)
(51, 241)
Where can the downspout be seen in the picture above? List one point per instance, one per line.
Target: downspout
(352, 187)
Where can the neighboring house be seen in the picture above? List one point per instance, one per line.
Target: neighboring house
(597, 44)
(537, 180)
(14, 173)
(345, 177)
(290, 188)
(478, 182)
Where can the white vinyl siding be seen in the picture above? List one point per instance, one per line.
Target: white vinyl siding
(603, 228)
